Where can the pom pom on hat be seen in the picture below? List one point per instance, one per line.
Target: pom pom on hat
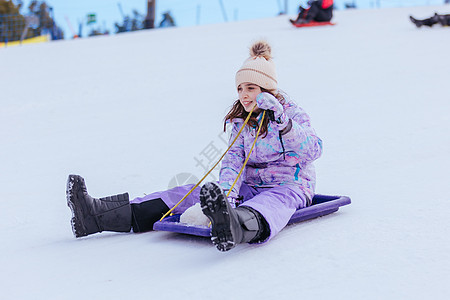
(261, 48)
(259, 68)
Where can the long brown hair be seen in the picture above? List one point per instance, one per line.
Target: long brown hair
(237, 111)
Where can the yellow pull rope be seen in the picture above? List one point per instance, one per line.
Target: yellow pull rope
(248, 156)
(246, 160)
(198, 183)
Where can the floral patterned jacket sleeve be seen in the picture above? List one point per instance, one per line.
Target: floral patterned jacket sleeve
(301, 138)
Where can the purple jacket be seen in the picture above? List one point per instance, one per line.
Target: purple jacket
(268, 166)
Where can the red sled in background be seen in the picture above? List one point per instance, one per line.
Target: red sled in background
(313, 24)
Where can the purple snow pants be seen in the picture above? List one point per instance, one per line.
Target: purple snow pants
(275, 204)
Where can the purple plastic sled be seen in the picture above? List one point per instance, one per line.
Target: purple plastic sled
(321, 205)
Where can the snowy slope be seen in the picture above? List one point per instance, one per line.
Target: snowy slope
(130, 112)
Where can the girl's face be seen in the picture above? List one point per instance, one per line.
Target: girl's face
(247, 95)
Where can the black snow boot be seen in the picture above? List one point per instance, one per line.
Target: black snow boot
(231, 226)
(444, 20)
(91, 215)
(416, 22)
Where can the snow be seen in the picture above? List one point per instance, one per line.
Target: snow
(131, 112)
(194, 216)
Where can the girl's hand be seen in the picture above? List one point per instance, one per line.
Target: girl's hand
(234, 199)
(268, 102)
(234, 202)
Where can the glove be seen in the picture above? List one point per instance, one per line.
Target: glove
(235, 202)
(268, 102)
(234, 199)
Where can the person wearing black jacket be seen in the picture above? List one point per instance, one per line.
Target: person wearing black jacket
(318, 11)
(444, 20)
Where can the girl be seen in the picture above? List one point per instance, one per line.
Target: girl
(278, 179)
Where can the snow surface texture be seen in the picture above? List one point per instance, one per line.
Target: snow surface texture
(194, 216)
(130, 112)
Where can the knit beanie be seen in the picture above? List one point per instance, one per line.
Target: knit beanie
(259, 68)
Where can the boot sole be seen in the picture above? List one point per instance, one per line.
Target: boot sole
(214, 206)
(75, 205)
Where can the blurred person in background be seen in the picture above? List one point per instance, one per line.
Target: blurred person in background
(444, 20)
(318, 11)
